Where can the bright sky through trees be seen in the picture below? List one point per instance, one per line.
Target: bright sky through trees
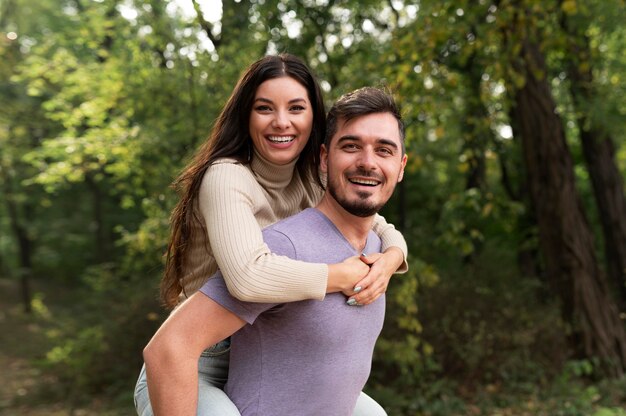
(212, 9)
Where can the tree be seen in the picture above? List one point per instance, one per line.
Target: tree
(566, 239)
(22, 127)
(597, 142)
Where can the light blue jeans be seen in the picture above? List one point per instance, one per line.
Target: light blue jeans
(212, 401)
(212, 375)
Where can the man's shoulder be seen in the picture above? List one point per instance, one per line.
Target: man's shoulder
(307, 219)
(293, 235)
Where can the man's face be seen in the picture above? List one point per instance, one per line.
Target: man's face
(364, 162)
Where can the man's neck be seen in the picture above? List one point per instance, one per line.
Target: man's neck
(354, 228)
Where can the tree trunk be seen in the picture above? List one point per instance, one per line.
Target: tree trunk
(566, 240)
(100, 238)
(478, 132)
(26, 269)
(607, 184)
(528, 256)
(599, 153)
(24, 244)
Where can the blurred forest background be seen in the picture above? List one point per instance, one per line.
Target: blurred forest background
(512, 205)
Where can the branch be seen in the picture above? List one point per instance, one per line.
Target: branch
(320, 29)
(395, 12)
(206, 26)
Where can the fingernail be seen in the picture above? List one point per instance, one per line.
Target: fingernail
(351, 301)
(357, 289)
(363, 255)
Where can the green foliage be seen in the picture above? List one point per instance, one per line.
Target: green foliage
(493, 325)
(572, 398)
(469, 216)
(145, 246)
(104, 102)
(96, 355)
(402, 345)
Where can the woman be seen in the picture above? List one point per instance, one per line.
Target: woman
(260, 165)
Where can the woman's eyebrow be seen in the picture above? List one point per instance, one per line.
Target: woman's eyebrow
(267, 100)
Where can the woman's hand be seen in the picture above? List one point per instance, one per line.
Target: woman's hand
(344, 276)
(382, 267)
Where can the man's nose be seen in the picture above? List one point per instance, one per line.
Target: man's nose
(367, 159)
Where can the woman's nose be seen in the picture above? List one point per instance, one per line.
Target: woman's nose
(281, 120)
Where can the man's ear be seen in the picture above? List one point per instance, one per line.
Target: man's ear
(324, 158)
(401, 175)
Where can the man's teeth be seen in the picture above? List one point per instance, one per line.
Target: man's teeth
(280, 139)
(364, 182)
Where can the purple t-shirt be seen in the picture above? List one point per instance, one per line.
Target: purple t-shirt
(301, 358)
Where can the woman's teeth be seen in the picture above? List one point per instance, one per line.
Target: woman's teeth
(280, 139)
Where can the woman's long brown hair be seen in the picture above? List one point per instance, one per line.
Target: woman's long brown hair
(230, 137)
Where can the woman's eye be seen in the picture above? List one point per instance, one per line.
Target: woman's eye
(263, 108)
(297, 108)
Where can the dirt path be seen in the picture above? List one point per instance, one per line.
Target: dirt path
(23, 340)
(25, 389)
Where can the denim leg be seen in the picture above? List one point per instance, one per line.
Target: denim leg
(212, 375)
(366, 406)
(142, 400)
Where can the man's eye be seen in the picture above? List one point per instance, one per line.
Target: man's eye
(350, 147)
(385, 151)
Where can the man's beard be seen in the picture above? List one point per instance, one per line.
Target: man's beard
(360, 207)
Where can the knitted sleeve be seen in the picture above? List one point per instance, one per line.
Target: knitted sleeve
(252, 273)
(391, 237)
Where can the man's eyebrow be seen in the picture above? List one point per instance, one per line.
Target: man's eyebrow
(381, 140)
(388, 142)
(348, 137)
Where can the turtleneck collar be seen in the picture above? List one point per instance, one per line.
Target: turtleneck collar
(271, 175)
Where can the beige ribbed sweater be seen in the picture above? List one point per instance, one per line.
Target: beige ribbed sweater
(235, 202)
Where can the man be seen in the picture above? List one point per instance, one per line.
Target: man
(309, 357)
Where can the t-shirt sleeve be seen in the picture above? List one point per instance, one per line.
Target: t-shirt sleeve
(391, 237)
(251, 271)
(215, 289)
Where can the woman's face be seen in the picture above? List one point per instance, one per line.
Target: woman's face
(281, 119)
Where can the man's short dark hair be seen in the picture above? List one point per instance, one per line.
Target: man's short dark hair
(362, 102)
